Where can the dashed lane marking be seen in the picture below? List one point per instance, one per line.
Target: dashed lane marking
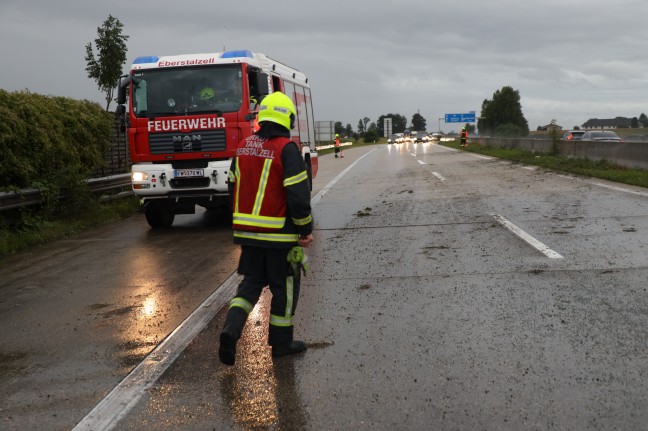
(526, 237)
(439, 176)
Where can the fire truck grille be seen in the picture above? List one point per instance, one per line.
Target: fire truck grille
(177, 142)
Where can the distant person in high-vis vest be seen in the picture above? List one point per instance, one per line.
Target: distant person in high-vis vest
(272, 220)
(463, 137)
(337, 145)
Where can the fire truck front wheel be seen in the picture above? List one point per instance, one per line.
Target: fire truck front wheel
(159, 214)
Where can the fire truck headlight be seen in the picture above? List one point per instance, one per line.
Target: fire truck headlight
(139, 176)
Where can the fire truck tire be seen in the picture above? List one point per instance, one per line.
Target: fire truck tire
(159, 215)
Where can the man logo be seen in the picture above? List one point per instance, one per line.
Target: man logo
(187, 141)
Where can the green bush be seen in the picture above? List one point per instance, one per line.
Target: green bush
(52, 144)
(370, 137)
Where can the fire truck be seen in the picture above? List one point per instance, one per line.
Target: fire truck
(186, 115)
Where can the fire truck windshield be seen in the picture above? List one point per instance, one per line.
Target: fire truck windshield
(187, 90)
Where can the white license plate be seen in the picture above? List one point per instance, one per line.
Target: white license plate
(188, 173)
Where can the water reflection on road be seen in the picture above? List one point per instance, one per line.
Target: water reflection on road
(261, 392)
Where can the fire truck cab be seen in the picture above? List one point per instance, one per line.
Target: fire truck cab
(186, 116)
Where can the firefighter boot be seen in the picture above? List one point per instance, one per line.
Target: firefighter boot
(232, 330)
(281, 340)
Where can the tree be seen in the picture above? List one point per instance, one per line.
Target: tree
(106, 68)
(361, 129)
(554, 135)
(338, 127)
(643, 119)
(502, 116)
(418, 122)
(349, 130)
(634, 123)
(362, 125)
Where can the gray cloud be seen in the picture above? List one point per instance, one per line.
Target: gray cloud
(570, 59)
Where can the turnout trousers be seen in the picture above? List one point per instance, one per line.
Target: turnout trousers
(263, 267)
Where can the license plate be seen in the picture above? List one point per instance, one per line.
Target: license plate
(188, 173)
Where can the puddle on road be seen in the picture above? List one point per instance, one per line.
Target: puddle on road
(11, 363)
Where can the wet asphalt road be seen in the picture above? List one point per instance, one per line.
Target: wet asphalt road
(422, 310)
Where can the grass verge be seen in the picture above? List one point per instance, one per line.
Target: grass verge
(599, 169)
(38, 231)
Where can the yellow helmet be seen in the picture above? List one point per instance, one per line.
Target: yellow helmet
(278, 108)
(206, 93)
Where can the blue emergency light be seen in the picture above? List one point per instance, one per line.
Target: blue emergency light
(146, 59)
(237, 53)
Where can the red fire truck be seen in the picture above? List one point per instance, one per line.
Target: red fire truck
(186, 116)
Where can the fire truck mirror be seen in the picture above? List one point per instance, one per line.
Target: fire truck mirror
(120, 110)
(121, 90)
(259, 85)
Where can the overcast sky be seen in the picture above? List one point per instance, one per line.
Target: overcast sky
(570, 60)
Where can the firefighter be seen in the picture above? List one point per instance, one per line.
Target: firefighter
(272, 220)
(206, 97)
(337, 145)
(463, 137)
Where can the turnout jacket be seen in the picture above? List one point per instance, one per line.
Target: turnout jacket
(269, 190)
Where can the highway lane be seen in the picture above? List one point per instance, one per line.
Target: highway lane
(422, 309)
(424, 312)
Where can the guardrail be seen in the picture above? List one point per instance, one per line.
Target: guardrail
(31, 197)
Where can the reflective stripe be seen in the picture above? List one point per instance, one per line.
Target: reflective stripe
(290, 291)
(241, 303)
(280, 321)
(302, 176)
(259, 221)
(302, 221)
(231, 177)
(263, 183)
(286, 320)
(265, 236)
(237, 174)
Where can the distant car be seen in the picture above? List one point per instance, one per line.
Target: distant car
(393, 139)
(421, 137)
(573, 135)
(601, 135)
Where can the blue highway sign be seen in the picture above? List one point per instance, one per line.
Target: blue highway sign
(460, 118)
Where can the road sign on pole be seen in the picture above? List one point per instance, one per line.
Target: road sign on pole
(461, 118)
(387, 124)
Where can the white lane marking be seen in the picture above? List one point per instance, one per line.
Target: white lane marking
(526, 237)
(436, 174)
(479, 156)
(315, 199)
(115, 406)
